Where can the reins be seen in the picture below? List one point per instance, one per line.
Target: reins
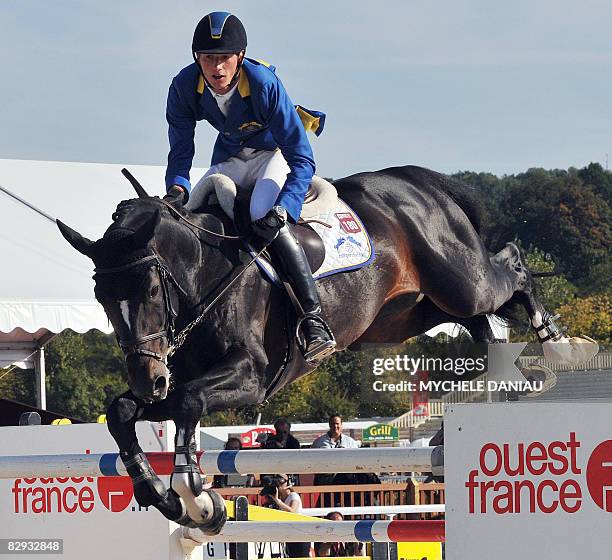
(200, 228)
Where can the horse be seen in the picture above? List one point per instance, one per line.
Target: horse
(203, 330)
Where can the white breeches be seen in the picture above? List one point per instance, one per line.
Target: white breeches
(264, 172)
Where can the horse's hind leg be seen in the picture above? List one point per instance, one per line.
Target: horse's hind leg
(557, 348)
(480, 283)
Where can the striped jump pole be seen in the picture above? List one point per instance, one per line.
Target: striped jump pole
(386, 459)
(324, 531)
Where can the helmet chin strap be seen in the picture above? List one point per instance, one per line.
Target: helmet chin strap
(237, 73)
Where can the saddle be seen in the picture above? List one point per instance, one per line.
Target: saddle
(332, 235)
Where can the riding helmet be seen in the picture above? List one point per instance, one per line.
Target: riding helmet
(219, 32)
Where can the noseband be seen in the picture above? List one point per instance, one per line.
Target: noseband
(132, 346)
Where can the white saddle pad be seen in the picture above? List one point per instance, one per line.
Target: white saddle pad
(347, 243)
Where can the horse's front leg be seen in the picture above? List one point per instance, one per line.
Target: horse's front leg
(233, 381)
(149, 490)
(204, 507)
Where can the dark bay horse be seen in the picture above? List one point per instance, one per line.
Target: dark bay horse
(155, 273)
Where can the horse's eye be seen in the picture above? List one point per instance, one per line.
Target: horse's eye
(154, 291)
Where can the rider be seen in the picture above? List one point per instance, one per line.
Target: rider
(261, 144)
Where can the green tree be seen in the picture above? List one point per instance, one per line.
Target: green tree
(84, 374)
(591, 315)
(18, 384)
(552, 291)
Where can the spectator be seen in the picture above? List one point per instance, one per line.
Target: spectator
(338, 548)
(334, 437)
(225, 480)
(280, 495)
(283, 438)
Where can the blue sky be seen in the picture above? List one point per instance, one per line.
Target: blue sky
(451, 85)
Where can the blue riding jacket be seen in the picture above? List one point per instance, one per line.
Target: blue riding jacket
(261, 116)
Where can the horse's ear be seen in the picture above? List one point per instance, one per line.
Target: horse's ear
(80, 243)
(134, 182)
(146, 231)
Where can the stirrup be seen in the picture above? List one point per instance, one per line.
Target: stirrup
(319, 349)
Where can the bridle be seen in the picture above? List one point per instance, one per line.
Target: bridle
(132, 346)
(175, 340)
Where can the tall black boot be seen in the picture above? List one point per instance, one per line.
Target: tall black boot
(320, 342)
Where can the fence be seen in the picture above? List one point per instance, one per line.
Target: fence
(353, 495)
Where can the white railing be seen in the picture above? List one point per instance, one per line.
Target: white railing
(435, 409)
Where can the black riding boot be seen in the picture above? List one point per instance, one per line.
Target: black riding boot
(320, 342)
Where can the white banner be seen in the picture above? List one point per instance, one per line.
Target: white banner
(97, 518)
(528, 481)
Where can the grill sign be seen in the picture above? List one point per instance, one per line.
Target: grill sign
(380, 432)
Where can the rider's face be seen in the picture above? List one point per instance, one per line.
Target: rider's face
(219, 69)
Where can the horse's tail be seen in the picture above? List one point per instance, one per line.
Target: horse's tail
(466, 197)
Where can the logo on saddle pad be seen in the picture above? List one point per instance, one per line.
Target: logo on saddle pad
(348, 222)
(348, 246)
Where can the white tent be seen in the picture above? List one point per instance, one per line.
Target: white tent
(46, 285)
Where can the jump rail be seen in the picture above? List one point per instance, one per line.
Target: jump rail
(324, 531)
(386, 459)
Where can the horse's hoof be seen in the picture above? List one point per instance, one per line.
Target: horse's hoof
(219, 515)
(537, 373)
(173, 508)
(186, 521)
(570, 351)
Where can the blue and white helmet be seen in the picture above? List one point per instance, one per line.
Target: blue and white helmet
(219, 33)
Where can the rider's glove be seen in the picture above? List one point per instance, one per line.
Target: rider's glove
(266, 229)
(177, 196)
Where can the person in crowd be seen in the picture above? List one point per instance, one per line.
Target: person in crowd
(336, 549)
(280, 495)
(334, 438)
(283, 439)
(225, 480)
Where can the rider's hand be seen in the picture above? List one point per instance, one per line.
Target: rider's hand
(266, 229)
(176, 195)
